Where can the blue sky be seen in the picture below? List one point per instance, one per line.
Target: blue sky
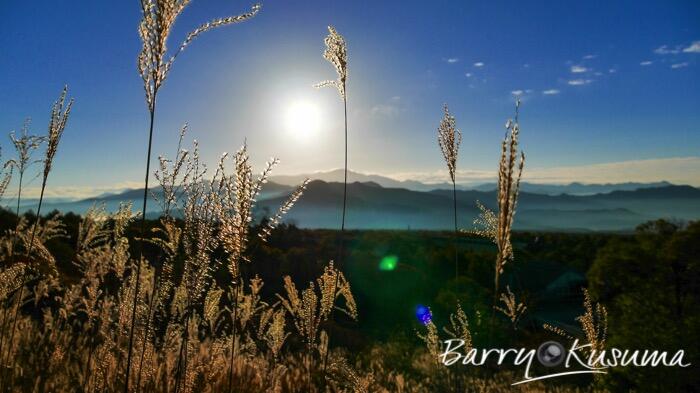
(610, 91)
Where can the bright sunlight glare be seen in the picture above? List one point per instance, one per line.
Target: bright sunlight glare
(302, 119)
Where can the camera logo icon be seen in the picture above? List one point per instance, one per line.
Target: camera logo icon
(551, 354)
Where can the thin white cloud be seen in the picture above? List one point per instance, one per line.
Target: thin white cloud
(589, 57)
(79, 192)
(678, 170)
(666, 50)
(391, 108)
(468, 74)
(646, 63)
(478, 64)
(577, 69)
(438, 176)
(612, 70)
(517, 93)
(579, 82)
(452, 60)
(679, 65)
(693, 48)
(550, 92)
(387, 110)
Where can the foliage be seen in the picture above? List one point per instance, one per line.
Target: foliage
(651, 285)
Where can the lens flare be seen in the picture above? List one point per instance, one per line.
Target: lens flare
(388, 263)
(423, 314)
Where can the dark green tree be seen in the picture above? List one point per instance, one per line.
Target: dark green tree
(651, 285)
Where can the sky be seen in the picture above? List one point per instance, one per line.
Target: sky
(610, 90)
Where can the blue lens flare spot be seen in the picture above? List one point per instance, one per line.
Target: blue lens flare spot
(388, 263)
(423, 314)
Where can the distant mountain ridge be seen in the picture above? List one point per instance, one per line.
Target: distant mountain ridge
(575, 188)
(374, 206)
(371, 206)
(337, 175)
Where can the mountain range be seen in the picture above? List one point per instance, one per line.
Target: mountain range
(337, 176)
(372, 205)
(575, 188)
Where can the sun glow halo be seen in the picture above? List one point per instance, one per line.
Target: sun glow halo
(302, 119)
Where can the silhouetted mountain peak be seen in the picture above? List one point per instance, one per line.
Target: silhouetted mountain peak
(669, 191)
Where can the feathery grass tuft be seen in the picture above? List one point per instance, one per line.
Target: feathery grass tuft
(510, 170)
(157, 20)
(594, 323)
(512, 309)
(59, 118)
(337, 54)
(449, 139)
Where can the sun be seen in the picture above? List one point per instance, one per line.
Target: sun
(302, 118)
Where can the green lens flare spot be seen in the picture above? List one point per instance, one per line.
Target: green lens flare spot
(388, 263)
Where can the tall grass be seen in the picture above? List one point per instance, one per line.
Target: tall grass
(495, 226)
(593, 324)
(510, 170)
(449, 139)
(83, 334)
(235, 211)
(5, 175)
(24, 145)
(5, 179)
(158, 18)
(337, 54)
(60, 112)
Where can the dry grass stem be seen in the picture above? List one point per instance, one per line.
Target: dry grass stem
(512, 309)
(158, 18)
(449, 139)
(510, 170)
(486, 223)
(337, 54)
(60, 113)
(24, 144)
(594, 324)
